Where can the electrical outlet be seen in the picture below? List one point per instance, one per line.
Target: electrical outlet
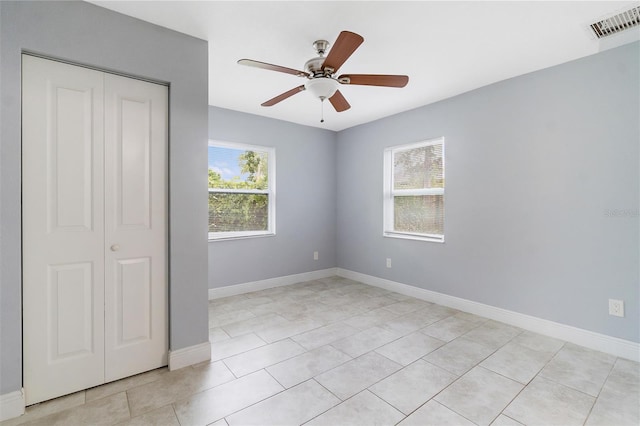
(616, 307)
(315, 255)
(388, 262)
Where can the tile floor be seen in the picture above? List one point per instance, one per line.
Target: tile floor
(338, 352)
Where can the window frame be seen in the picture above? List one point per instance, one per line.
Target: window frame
(270, 192)
(389, 193)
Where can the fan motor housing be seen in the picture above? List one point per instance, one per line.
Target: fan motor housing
(314, 66)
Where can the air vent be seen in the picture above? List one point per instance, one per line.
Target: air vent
(615, 24)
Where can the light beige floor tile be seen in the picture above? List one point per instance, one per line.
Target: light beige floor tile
(264, 356)
(459, 355)
(437, 312)
(216, 334)
(176, 385)
(619, 400)
(409, 348)
(471, 317)
(268, 308)
(46, 408)
(315, 285)
(282, 331)
(221, 422)
(399, 297)
(435, 414)
(222, 318)
(354, 376)
(364, 409)
(324, 335)
(252, 325)
(298, 294)
(251, 302)
(480, 395)
(371, 318)
(538, 342)
(406, 306)
(294, 406)
(297, 310)
(549, 403)
(503, 420)
(375, 302)
(412, 386)
(517, 362)
(376, 292)
(365, 341)
(312, 314)
(330, 314)
(449, 328)
(216, 403)
(225, 304)
(413, 321)
(579, 368)
(164, 416)
(234, 346)
(105, 411)
(124, 384)
(305, 366)
(493, 334)
(336, 300)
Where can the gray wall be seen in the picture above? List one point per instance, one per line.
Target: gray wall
(305, 201)
(87, 34)
(532, 165)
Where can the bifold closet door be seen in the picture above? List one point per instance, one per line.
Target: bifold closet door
(93, 227)
(135, 226)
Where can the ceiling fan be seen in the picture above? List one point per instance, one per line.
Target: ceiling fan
(321, 73)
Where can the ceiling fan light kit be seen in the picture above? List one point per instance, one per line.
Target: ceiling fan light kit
(320, 72)
(322, 87)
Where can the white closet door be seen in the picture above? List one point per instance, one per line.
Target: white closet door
(62, 228)
(94, 217)
(135, 226)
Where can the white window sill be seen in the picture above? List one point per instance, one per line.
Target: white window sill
(418, 237)
(227, 236)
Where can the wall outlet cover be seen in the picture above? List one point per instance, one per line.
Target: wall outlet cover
(616, 307)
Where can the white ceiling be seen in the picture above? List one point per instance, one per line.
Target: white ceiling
(445, 47)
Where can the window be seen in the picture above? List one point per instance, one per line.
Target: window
(414, 191)
(241, 190)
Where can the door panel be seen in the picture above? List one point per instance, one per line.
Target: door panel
(133, 301)
(133, 151)
(70, 290)
(135, 222)
(62, 228)
(69, 161)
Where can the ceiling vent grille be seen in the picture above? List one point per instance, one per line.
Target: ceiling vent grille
(617, 23)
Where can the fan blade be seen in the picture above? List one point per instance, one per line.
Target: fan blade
(374, 80)
(345, 45)
(266, 66)
(339, 102)
(282, 97)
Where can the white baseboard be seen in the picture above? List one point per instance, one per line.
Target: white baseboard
(233, 290)
(11, 405)
(600, 342)
(189, 356)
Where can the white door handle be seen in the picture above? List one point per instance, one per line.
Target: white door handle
(115, 247)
